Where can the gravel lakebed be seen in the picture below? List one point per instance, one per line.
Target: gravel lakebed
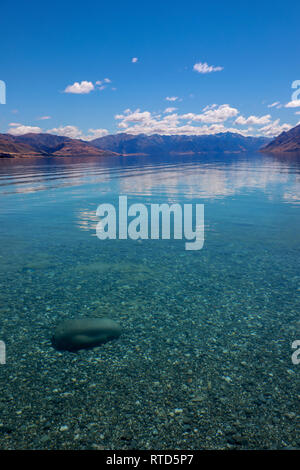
(204, 361)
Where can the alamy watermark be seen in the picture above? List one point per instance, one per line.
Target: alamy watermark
(296, 93)
(2, 92)
(188, 222)
(296, 353)
(2, 353)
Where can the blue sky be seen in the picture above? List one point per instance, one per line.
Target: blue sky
(230, 66)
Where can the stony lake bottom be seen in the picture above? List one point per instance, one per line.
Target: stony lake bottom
(204, 361)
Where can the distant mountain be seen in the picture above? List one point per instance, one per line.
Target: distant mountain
(10, 147)
(286, 142)
(38, 145)
(180, 144)
(45, 145)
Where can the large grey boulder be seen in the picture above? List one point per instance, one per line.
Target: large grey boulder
(84, 333)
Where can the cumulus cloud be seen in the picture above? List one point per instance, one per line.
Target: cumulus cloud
(81, 88)
(212, 120)
(20, 129)
(293, 104)
(73, 132)
(213, 113)
(134, 60)
(203, 67)
(170, 110)
(171, 98)
(68, 131)
(85, 87)
(95, 134)
(253, 120)
(43, 118)
(145, 122)
(133, 117)
(274, 128)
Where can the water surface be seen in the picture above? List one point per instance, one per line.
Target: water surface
(205, 358)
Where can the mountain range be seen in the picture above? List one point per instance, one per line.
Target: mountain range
(178, 144)
(286, 142)
(45, 145)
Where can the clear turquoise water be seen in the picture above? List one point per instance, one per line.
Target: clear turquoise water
(205, 358)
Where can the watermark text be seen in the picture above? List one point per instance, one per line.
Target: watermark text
(2, 353)
(2, 92)
(187, 222)
(296, 93)
(296, 353)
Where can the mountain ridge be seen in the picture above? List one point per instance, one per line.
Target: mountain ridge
(288, 141)
(192, 144)
(47, 145)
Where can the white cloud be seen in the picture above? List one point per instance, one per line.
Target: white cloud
(81, 88)
(213, 113)
(134, 60)
(137, 122)
(95, 134)
(210, 106)
(171, 98)
(73, 132)
(253, 120)
(102, 84)
(276, 103)
(20, 129)
(170, 110)
(86, 87)
(133, 117)
(274, 128)
(68, 131)
(293, 104)
(210, 121)
(203, 67)
(43, 118)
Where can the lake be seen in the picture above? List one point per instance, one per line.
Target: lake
(205, 358)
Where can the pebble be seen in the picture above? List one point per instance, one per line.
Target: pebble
(227, 379)
(64, 428)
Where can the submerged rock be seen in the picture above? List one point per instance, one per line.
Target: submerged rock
(84, 333)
